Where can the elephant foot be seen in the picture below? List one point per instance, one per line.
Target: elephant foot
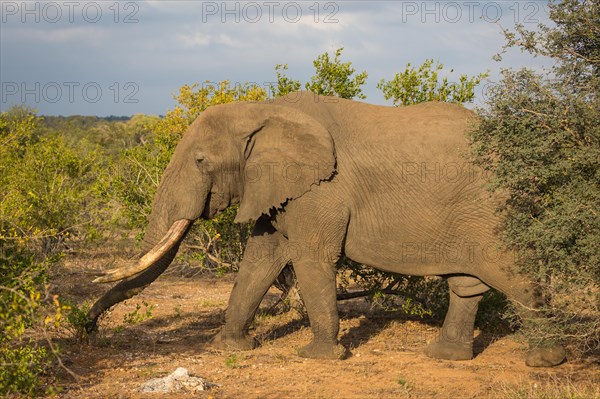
(449, 350)
(236, 342)
(321, 350)
(546, 357)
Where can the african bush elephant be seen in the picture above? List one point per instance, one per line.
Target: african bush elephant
(322, 176)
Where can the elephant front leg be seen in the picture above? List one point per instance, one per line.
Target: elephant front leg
(455, 340)
(318, 290)
(262, 262)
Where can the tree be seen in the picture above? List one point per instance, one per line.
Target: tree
(331, 78)
(539, 140)
(413, 86)
(334, 78)
(285, 85)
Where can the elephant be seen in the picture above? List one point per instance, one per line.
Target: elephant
(324, 177)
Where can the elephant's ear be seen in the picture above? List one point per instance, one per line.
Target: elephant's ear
(288, 154)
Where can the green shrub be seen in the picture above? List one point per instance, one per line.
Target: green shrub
(22, 358)
(47, 184)
(21, 369)
(332, 78)
(539, 140)
(45, 187)
(414, 86)
(138, 315)
(75, 319)
(335, 78)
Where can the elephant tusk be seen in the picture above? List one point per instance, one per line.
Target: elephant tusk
(172, 236)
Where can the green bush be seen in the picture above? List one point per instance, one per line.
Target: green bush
(413, 86)
(21, 369)
(46, 183)
(139, 315)
(20, 275)
(45, 187)
(332, 78)
(539, 140)
(23, 357)
(74, 319)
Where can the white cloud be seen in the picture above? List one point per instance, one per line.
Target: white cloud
(59, 35)
(197, 39)
(203, 39)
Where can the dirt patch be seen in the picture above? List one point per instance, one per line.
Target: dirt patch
(387, 353)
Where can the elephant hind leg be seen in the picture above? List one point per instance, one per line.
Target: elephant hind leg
(455, 339)
(526, 295)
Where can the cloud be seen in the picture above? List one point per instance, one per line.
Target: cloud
(201, 39)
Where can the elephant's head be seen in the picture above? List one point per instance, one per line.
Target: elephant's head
(259, 155)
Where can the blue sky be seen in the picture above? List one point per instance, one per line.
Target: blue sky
(121, 58)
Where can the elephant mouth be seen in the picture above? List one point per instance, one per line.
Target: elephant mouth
(208, 213)
(211, 207)
(173, 236)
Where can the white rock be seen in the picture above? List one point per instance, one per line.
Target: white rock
(179, 380)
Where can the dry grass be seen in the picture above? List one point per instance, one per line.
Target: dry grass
(550, 387)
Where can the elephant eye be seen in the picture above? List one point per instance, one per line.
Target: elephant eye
(200, 162)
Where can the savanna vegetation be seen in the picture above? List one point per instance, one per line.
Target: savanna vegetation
(73, 181)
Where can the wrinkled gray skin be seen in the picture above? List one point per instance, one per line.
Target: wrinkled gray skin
(387, 187)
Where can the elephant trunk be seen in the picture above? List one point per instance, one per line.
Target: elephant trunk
(169, 241)
(135, 278)
(128, 288)
(179, 200)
